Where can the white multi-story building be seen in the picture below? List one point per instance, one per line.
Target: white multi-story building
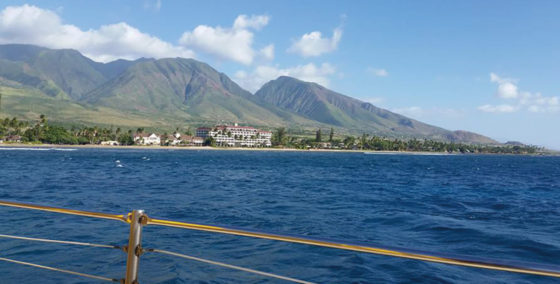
(236, 136)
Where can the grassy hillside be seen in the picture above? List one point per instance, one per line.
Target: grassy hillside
(28, 104)
(167, 93)
(189, 90)
(66, 70)
(318, 103)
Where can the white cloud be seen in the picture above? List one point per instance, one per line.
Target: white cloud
(235, 43)
(267, 52)
(377, 72)
(507, 87)
(508, 90)
(498, 108)
(313, 43)
(32, 25)
(254, 22)
(262, 74)
(539, 103)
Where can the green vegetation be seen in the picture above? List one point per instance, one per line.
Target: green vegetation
(375, 143)
(13, 130)
(279, 137)
(318, 135)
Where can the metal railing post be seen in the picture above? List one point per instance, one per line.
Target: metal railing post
(134, 249)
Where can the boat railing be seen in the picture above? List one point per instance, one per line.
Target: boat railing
(137, 219)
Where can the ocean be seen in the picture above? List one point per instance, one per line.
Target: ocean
(486, 206)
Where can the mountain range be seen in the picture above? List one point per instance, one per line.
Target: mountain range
(165, 93)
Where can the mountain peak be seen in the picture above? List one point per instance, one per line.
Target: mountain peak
(318, 103)
(182, 89)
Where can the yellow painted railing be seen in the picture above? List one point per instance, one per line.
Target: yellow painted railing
(137, 219)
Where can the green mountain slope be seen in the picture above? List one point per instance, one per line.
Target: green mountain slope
(316, 102)
(28, 103)
(69, 70)
(188, 89)
(165, 93)
(18, 74)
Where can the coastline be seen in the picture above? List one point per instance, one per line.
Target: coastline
(208, 148)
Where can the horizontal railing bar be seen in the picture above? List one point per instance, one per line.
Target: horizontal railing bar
(122, 218)
(302, 240)
(354, 247)
(258, 272)
(59, 270)
(58, 241)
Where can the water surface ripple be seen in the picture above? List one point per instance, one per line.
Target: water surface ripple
(502, 207)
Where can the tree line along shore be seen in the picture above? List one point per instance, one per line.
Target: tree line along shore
(13, 130)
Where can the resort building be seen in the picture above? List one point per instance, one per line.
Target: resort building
(147, 139)
(236, 136)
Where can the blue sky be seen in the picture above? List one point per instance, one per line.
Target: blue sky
(491, 67)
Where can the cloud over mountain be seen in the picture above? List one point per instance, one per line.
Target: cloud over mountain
(519, 100)
(33, 25)
(231, 43)
(262, 74)
(314, 44)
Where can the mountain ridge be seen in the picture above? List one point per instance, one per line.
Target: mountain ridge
(179, 90)
(316, 102)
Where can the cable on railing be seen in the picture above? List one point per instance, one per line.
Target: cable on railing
(60, 270)
(59, 242)
(262, 273)
(552, 271)
(123, 218)
(410, 254)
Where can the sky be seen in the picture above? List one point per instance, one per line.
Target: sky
(491, 67)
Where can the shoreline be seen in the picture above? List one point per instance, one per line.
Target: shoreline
(208, 148)
(158, 147)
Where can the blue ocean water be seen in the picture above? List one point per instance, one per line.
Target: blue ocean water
(501, 207)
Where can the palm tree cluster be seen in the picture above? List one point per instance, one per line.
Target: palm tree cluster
(43, 132)
(377, 143)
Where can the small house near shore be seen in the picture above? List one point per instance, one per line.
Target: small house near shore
(13, 138)
(147, 139)
(172, 140)
(110, 143)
